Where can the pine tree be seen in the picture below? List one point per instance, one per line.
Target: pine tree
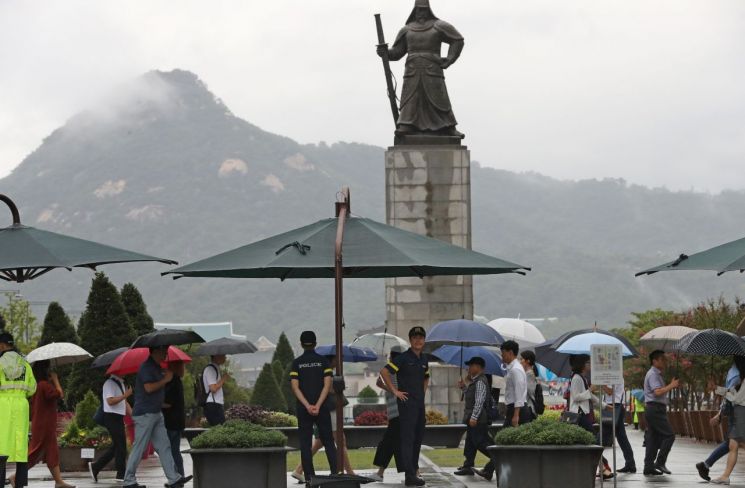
(2, 322)
(286, 388)
(283, 353)
(266, 391)
(57, 326)
(103, 326)
(136, 309)
(279, 371)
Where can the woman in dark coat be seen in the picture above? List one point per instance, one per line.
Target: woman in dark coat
(44, 423)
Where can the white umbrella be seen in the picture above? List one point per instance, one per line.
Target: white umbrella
(665, 337)
(380, 342)
(520, 331)
(59, 353)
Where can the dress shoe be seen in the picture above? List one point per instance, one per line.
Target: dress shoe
(703, 471)
(663, 468)
(136, 485)
(465, 471)
(652, 472)
(414, 482)
(627, 469)
(487, 475)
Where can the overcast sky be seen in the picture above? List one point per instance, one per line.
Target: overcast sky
(652, 91)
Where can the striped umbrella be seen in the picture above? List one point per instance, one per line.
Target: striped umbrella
(713, 342)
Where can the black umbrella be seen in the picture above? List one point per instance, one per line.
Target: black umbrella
(167, 337)
(713, 342)
(105, 359)
(225, 345)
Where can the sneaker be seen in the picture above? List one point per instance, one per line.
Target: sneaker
(375, 477)
(414, 482)
(703, 471)
(487, 475)
(92, 472)
(298, 476)
(464, 471)
(627, 469)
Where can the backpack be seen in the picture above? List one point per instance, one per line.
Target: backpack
(200, 393)
(538, 405)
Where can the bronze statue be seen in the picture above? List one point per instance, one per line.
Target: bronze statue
(425, 105)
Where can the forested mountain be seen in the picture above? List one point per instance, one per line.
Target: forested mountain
(165, 168)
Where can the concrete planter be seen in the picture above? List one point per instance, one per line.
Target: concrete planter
(290, 432)
(546, 466)
(227, 468)
(70, 460)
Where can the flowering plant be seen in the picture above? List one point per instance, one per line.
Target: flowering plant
(74, 436)
(371, 418)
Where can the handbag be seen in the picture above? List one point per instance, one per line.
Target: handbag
(569, 417)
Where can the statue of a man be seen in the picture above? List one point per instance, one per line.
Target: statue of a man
(425, 104)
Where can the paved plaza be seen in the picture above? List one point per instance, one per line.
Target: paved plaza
(685, 454)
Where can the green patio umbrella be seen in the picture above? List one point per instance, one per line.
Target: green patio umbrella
(27, 253)
(723, 258)
(346, 247)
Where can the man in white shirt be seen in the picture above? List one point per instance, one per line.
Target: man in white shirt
(115, 407)
(516, 387)
(214, 379)
(615, 396)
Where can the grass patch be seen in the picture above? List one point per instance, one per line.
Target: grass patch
(362, 459)
(452, 458)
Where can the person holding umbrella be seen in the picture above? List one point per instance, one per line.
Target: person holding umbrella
(174, 413)
(516, 387)
(115, 408)
(44, 427)
(148, 419)
(475, 415)
(17, 384)
(214, 379)
(659, 436)
(412, 376)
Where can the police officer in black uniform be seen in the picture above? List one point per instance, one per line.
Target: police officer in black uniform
(412, 374)
(311, 378)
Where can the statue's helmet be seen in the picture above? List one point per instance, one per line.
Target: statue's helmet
(421, 4)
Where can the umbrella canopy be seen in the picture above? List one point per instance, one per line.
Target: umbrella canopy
(457, 356)
(105, 359)
(462, 333)
(371, 250)
(665, 338)
(582, 344)
(350, 353)
(568, 335)
(27, 253)
(225, 345)
(381, 343)
(638, 393)
(713, 342)
(59, 353)
(167, 337)
(723, 258)
(129, 361)
(556, 362)
(520, 331)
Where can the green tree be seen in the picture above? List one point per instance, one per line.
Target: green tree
(286, 388)
(283, 353)
(279, 372)
(20, 322)
(266, 391)
(2, 322)
(103, 326)
(57, 326)
(136, 309)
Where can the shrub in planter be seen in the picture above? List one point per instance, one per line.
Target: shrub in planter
(237, 434)
(361, 408)
(279, 419)
(367, 395)
(85, 409)
(371, 418)
(249, 413)
(544, 432)
(74, 436)
(436, 418)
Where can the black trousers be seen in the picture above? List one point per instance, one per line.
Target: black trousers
(214, 413)
(477, 440)
(114, 423)
(389, 446)
(305, 423)
(659, 435)
(623, 441)
(526, 415)
(412, 419)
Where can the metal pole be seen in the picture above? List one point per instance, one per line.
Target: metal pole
(342, 212)
(600, 465)
(615, 417)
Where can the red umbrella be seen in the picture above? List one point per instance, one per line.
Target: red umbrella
(130, 360)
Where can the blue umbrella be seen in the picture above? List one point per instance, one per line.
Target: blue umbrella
(465, 333)
(457, 356)
(350, 354)
(545, 374)
(638, 394)
(582, 344)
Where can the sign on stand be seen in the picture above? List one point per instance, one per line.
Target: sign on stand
(606, 362)
(87, 453)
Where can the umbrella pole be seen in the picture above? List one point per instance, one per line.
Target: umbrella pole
(342, 211)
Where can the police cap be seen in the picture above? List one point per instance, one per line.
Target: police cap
(308, 338)
(6, 338)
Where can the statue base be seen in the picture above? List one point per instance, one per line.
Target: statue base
(428, 191)
(426, 140)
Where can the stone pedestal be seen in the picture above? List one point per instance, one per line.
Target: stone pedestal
(428, 191)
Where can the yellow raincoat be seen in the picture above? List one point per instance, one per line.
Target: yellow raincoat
(17, 384)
